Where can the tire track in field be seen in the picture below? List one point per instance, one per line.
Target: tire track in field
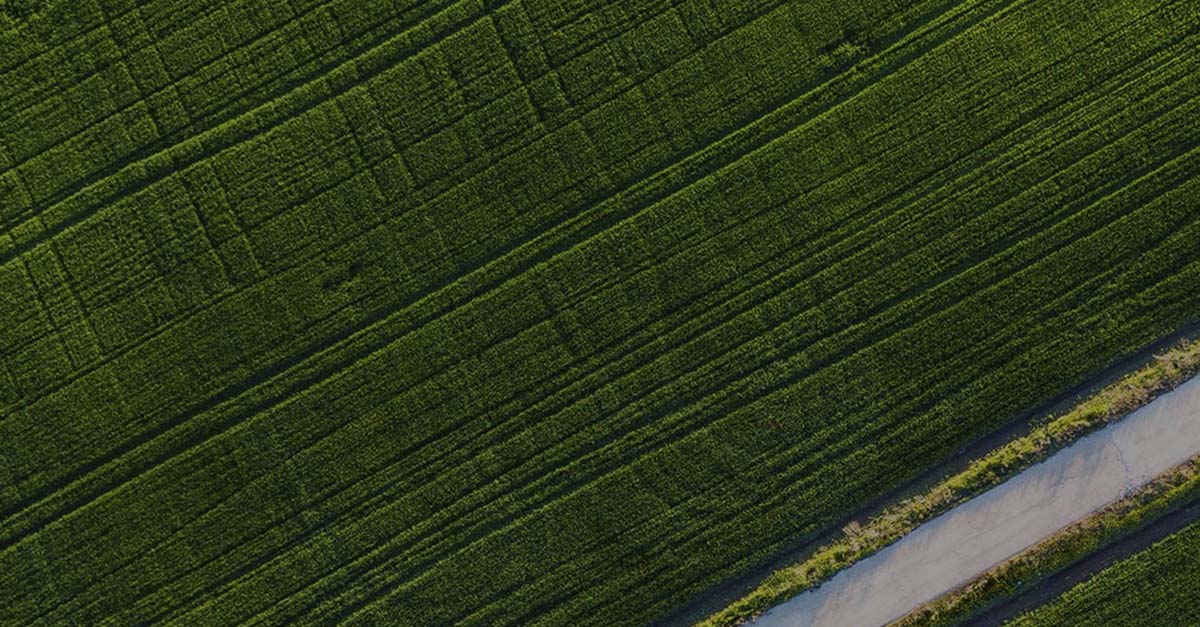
(313, 75)
(488, 288)
(153, 40)
(634, 84)
(424, 203)
(84, 31)
(814, 461)
(146, 174)
(148, 166)
(1169, 279)
(36, 99)
(206, 119)
(656, 550)
(1129, 342)
(309, 79)
(691, 581)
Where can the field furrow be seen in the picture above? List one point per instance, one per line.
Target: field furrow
(538, 313)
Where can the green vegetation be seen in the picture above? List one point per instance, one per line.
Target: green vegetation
(1159, 586)
(546, 313)
(859, 541)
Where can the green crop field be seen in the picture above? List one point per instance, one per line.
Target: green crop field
(1159, 586)
(546, 313)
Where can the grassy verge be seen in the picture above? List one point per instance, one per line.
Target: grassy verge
(858, 541)
(1158, 586)
(1177, 487)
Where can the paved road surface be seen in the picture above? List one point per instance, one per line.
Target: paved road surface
(964, 542)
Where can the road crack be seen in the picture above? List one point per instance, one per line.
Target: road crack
(1129, 478)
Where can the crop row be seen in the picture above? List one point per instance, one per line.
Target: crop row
(133, 326)
(538, 457)
(235, 59)
(149, 257)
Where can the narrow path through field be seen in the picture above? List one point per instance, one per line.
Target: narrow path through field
(961, 544)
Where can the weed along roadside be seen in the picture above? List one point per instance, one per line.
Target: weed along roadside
(1170, 364)
(959, 545)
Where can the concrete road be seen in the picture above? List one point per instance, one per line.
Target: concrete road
(961, 544)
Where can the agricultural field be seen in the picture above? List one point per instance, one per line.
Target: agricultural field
(541, 312)
(1159, 586)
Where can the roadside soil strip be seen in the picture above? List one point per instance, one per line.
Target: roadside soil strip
(961, 544)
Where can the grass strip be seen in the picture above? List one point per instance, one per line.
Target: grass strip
(859, 541)
(1166, 493)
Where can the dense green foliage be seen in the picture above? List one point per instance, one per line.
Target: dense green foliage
(1159, 586)
(546, 313)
